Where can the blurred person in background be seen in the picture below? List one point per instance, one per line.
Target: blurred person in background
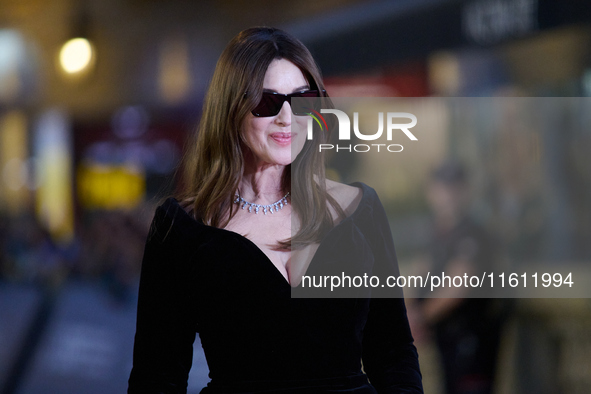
(466, 330)
(218, 259)
(111, 251)
(31, 255)
(4, 226)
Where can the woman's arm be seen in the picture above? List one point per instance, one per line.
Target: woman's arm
(389, 357)
(165, 332)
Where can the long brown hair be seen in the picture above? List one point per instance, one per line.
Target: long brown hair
(214, 162)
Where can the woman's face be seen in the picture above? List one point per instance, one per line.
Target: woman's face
(275, 140)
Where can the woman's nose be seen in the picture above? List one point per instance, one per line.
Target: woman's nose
(284, 115)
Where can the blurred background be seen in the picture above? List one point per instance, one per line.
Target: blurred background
(98, 97)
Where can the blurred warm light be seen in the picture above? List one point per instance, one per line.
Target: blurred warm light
(54, 157)
(174, 74)
(444, 73)
(13, 156)
(76, 55)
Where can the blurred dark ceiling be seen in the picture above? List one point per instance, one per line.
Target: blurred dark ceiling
(129, 35)
(345, 36)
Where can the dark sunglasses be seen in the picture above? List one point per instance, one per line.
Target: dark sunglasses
(271, 102)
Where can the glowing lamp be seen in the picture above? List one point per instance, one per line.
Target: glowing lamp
(76, 55)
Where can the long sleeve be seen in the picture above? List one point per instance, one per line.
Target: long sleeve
(165, 332)
(389, 356)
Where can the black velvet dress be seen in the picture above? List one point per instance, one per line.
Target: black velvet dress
(257, 338)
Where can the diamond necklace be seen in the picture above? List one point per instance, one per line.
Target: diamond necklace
(276, 206)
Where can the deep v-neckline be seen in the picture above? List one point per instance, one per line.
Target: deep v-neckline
(266, 257)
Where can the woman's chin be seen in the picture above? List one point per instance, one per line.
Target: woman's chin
(285, 161)
(286, 156)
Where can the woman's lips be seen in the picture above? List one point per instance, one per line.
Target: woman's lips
(281, 138)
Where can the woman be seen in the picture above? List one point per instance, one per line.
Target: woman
(220, 262)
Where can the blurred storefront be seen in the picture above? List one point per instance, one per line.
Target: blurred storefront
(97, 99)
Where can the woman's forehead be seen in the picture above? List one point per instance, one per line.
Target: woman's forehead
(283, 76)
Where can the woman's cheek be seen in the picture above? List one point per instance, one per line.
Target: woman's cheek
(299, 133)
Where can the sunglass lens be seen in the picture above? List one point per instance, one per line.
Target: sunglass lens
(270, 105)
(306, 101)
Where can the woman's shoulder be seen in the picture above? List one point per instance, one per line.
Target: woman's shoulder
(176, 209)
(172, 217)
